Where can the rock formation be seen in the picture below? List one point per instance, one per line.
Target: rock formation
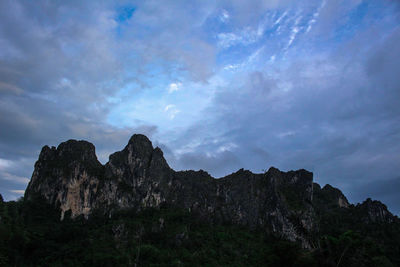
(375, 212)
(138, 177)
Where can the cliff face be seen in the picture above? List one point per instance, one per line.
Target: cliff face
(67, 176)
(71, 177)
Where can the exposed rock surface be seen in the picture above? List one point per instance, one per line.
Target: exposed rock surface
(68, 176)
(375, 212)
(329, 197)
(283, 203)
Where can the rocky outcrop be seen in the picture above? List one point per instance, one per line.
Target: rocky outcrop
(138, 177)
(67, 176)
(329, 197)
(374, 211)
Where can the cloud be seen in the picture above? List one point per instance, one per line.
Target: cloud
(294, 31)
(9, 88)
(244, 37)
(220, 162)
(258, 90)
(171, 110)
(173, 87)
(226, 147)
(278, 21)
(14, 178)
(224, 17)
(315, 17)
(231, 66)
(335, 115)
(4, 164)
(19, 192)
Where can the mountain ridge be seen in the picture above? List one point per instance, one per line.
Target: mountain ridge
(287, 204)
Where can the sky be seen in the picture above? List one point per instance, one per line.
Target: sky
(217, 85)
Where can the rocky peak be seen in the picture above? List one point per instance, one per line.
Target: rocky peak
(140, 140)
(136, 160)
(375, 212)
(336, 196)
(47, 153)
(328, 197)
(67, 176)
(273, 171)
(76, 150)
(139, 146)
(301, 176)
(138, 152)
(295, 185)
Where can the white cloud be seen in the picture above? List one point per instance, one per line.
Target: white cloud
(231, 66)
(224, 17)
(315, 16)
(246, 36)
(174, 87)
(188, 147)
(295, 30)
(255, 55)
(4, 164)
(227, 147)
(226, 40)
(286, 134)
(19, 192)
(249, 60)
(171, 111)
(14, 178)
(280, 18)
(168, 107)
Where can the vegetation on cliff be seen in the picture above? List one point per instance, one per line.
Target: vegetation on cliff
(31, 234)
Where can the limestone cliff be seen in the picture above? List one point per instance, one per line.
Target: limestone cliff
(67, 176)
(71, 178)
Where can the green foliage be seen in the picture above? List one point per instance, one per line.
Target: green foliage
(31, 234)
(345, 231)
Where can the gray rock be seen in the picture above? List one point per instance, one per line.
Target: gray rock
(138, 177)
(375, 212)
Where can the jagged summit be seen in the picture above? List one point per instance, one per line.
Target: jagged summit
(329, 197)
(138, 177)
(375, 212)
(138, 146)
(68, 152)
(140, 140)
